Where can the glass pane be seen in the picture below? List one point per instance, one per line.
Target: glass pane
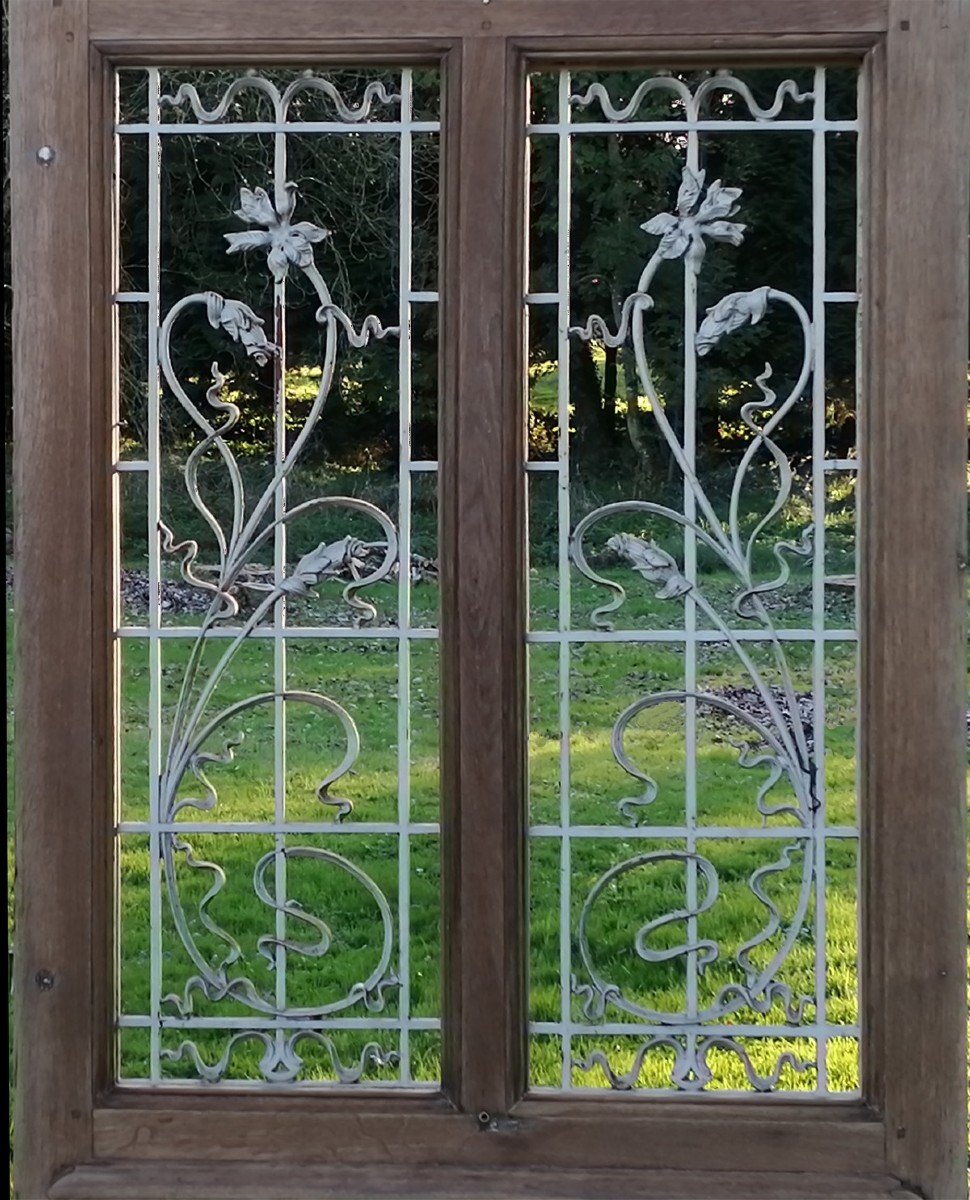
(693, 868)
(278, 752)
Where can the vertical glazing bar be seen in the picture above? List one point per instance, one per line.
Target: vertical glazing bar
(690, 612)
(154, 575)
(116, 550)
(404, 576)
(527, 540)
(565, 614)
(818, 560)
(279, 610)
(862, 185)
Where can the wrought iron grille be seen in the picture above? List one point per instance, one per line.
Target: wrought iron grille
(684, 933)
(277, 833)
(692, 640)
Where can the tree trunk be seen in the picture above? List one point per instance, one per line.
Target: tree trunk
(640, 428)
(584, 388)
(609, 390)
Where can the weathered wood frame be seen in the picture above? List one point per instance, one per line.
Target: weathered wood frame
(76, 1136)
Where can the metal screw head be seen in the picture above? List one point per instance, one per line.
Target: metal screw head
(45, 155)
(44, 980)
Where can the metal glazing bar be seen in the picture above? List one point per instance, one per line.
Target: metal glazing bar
(170, 128)
(679, 636)
(527, 526)
(713, 832)
(564, 529)
(405, 150)
(116, 550)
(417, 828)
(279, 609)
(154, 577)
(295, 1085)
(430, 634)
(615, 1029)
(134, 1021)
(818, 561)
(270, 827)
(267, 632)
(728, 127)
(690, 607)
(751, 1097)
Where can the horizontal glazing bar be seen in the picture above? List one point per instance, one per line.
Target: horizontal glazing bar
(300, 827)
(426, 464)
(752, 1097)
(389, 632)
(301, 1085)
(295, 127)
(133, 465)
(715, 832)
(828, 297)
(291, 1023)
(143, 297)
(610, 1030)
(694, 127)
(681, 636)
(841, 464)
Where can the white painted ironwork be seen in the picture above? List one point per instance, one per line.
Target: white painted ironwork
(689, 1031)
(182, 747)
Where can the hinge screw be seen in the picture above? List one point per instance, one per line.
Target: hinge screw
(44, 980)
(45, 155)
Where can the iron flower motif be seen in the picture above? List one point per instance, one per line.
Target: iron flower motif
(287, 242)
(731, 313)
(650, 561)
(324, 562)
(242, 325)
(697, 219)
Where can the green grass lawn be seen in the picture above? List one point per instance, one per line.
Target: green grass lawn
(604, 678)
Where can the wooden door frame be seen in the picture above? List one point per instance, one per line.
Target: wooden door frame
(76, 1134)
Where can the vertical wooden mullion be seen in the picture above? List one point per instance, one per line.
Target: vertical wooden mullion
(914, 689)
(55, 725)
(482, 623)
